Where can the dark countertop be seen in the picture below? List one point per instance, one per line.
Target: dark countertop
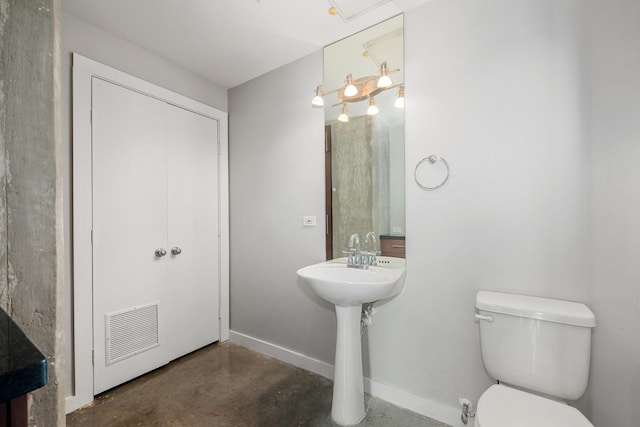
(22, 367)
(392, 236)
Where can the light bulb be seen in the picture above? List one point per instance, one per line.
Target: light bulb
(373, 109)
(343, 116)
(400, 99)
(384, 80)
(350, 90)
(317, 100)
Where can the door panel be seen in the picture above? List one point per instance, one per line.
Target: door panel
(129, 161)
(193, 227)
(155, 186)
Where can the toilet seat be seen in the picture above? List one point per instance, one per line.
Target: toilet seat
(503, 406)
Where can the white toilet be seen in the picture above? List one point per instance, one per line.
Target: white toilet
(539, 350)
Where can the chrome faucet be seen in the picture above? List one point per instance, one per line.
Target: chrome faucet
(355, 259)
(359, 259)
(370, 256)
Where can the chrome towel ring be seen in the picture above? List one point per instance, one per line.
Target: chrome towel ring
(432, 159)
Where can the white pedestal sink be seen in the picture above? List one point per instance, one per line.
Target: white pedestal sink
(349, 288)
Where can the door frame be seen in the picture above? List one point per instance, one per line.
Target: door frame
(328, 194)
(84, 70)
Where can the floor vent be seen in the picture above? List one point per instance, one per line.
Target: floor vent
(131, 331)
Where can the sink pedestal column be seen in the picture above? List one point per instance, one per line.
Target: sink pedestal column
(347, 407)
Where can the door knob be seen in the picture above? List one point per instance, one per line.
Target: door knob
(176, 250)
(160, 252)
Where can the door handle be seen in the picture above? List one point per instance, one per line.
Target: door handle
(176, 250)
(160, 252)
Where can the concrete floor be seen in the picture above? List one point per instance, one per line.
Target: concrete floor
(229, 385)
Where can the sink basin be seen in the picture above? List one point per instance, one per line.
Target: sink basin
(348, 288)
(345, 286)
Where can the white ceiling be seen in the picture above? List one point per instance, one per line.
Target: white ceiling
(229, 42)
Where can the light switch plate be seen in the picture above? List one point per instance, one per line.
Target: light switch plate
(309, 221)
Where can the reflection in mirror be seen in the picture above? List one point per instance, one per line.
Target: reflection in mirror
(363, 98)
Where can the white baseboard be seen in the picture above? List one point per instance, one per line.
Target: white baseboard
(73, 403)
(403, 399)
(289, 356)
(417, 404)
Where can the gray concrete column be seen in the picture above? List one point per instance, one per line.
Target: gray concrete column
(30, 188)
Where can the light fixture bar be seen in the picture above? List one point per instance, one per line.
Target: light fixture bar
(360, 99)
(361, 81)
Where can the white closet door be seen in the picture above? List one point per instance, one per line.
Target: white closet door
(129, 134)
(193, 277)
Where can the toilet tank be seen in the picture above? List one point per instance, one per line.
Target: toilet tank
(539, 344)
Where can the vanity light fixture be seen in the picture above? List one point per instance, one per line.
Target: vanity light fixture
(343, 117)
(373, 109)
(361, 89)
(318, 101)
(384, 80)
(350, 89)
(400, 99)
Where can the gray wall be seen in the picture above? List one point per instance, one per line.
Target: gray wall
(494, 88)
(97, 44)
(30, 189)
(276, 156)
(613, 128)
(535, 106)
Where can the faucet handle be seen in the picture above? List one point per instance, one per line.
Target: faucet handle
(370, 258)
(358, 258)
(349, 254)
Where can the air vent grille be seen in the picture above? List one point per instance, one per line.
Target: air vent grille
(130, 332)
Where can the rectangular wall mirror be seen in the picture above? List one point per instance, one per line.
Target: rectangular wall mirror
(364, 138)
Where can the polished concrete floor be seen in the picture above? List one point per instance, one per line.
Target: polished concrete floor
(229, 385)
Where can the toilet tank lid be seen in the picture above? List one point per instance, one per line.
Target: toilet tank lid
(550, 310)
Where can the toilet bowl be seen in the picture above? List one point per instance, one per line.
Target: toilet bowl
(539, 349)
(503, 406)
